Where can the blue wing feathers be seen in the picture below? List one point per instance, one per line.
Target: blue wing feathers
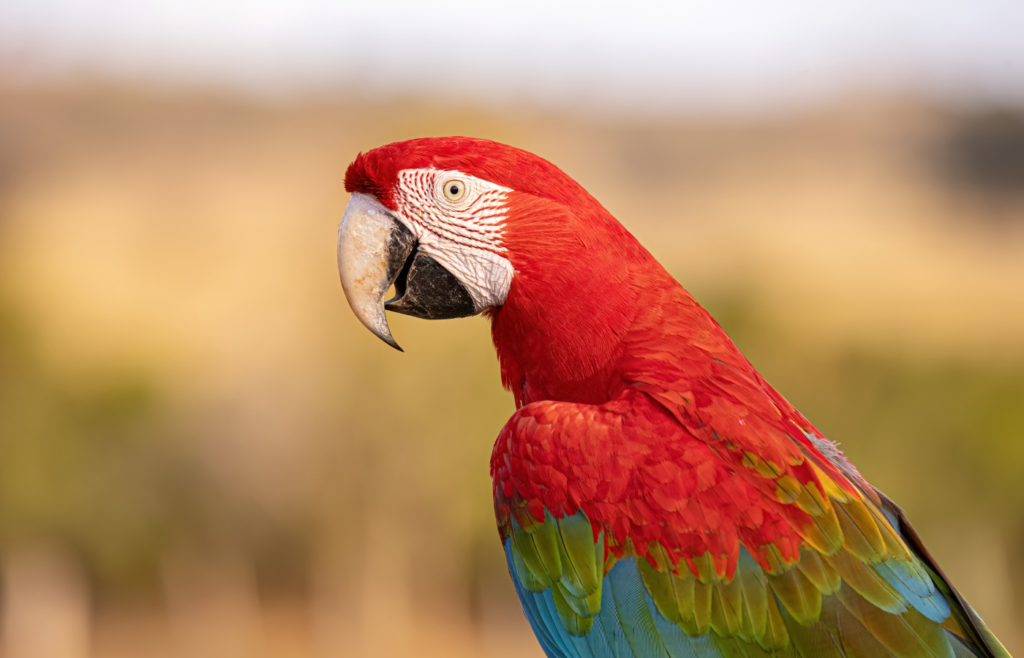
(567, 642)
(627, 593)
(531, 609)
(608, 619)
(931, 604)
(629, 624)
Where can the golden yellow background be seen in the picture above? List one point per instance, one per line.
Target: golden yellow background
(203, 454)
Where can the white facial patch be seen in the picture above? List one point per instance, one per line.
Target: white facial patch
(459, 221)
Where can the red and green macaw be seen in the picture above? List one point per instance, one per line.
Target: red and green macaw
(655, 496)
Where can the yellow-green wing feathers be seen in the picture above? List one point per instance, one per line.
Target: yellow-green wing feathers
(875, 595)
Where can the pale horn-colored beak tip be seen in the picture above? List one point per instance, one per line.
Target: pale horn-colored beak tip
(363, 254)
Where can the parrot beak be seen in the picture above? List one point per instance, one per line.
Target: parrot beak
(375, 250)
(372, 249)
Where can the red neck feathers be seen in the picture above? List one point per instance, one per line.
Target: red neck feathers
(589, 311)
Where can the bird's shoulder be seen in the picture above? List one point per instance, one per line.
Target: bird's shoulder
(697, 476)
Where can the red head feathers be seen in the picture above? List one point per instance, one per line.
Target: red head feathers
(582, 290)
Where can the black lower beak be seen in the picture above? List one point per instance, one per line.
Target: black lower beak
(425, 289)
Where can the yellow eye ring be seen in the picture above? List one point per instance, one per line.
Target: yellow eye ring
(454, 190)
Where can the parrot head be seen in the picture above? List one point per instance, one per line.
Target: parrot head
(462, 226)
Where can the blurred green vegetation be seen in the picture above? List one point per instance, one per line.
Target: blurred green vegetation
(97, 462)
(79, 463)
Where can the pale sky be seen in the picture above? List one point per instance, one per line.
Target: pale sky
(633, 56)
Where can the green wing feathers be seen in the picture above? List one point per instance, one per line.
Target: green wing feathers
(877, 594)
(564, 556)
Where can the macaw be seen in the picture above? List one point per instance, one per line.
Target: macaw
(655, 497)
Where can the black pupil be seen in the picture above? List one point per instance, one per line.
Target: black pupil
(453, 190)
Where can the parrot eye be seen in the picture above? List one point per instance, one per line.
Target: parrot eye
(454, 190)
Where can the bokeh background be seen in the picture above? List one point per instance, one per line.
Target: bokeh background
(203, 454)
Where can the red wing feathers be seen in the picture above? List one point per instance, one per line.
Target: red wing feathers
(685, 480)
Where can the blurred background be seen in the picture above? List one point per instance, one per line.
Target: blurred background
(203, 454)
